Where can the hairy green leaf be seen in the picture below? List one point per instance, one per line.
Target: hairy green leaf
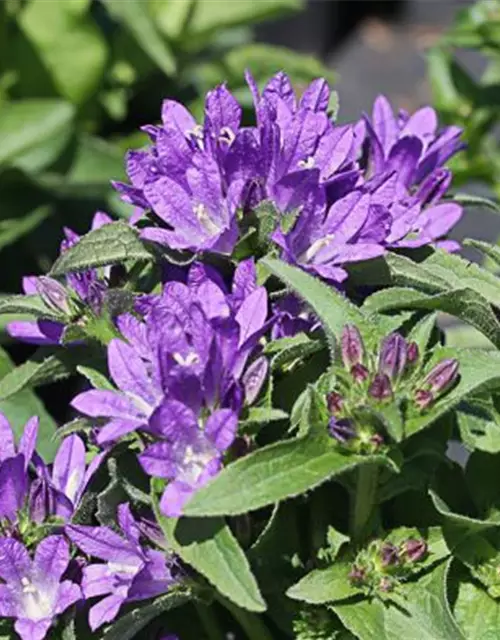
(110, 244)
(209, 547)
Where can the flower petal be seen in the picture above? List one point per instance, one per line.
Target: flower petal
(51, 559)
(106, 403)
(15, 562)
(105, 611)
(221, 428)
(102, 542)
(7, 446)
(27, 443)
(68, 470)
(32, 629)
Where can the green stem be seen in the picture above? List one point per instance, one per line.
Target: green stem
(364, 499)
(209, 621)
(251, 624)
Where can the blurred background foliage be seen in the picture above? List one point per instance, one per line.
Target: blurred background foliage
(77, 80)
(466, 100)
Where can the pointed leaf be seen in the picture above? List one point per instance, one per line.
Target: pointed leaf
(109, 244)
(130, 624)
(274, 473)
(209, 547)
(466, 304)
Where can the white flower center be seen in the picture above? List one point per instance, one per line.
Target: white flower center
(194, 459)
(204, 219)
(227, 135)
(308, 255)
(197, 134)
(36, 604)
(190, 359)
(308, 163)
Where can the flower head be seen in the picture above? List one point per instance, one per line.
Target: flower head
(130, 572)
(33, 591)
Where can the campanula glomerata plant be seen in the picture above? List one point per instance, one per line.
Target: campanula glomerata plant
(259, 442)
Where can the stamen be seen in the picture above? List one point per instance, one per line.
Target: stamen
(308, 163)
(308, 255)
(204, 219)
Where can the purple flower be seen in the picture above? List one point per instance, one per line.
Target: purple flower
(33, 592)
(129, 407)
(187, 454)
(415, 549)
(129, 571)
(14, 461)
(351, 230)
(342, 429)
(86, 286)
(410, 145)
(439, 380)
(58, 488)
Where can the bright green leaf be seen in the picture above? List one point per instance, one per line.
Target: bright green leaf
(135, 16)
(23, 405)
(70, 45)
(274, 473)
(209, 547)
(111, 243)
(28, 125)
(476, 612)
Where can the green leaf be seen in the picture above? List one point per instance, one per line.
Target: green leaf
(27, 126)
(209, 547)
(135, 16)
(219, 15)
(325, 585)
(419, 610)
(12, 229)
(333, 309)
(22, 406)
(286, 350)
(95, 161)
(133, 622)
(32, 305)
(263, 415)
(110, 244)
(274, 473)
(46, 366)
(69, 44)
(462, 525)
(490, 250)
(479, 370)
(477, 614)
(96, 378)
(470, 200)
(479, 425)
(466, 304)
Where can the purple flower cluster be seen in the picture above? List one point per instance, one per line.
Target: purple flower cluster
(36, 499)
(354, 190)
(183, 374)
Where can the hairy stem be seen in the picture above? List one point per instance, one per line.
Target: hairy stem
(363, 501)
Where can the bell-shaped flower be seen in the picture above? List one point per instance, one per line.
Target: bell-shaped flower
(129, 572)
(33, 591)
(188, 455)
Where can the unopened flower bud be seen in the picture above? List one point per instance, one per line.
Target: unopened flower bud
(423, 398)
(392, 359)
(352, 346)
(357, 575)
(412, 353)
(389, 554)
(385, 585)
(380, 387)
(414, 549)
(335, 402)
(359, 373)
(53, 294)
(442, 376)
(377, 440)
(342, 430)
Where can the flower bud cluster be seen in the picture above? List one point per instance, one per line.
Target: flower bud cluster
(383, 565)
(366, 382)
